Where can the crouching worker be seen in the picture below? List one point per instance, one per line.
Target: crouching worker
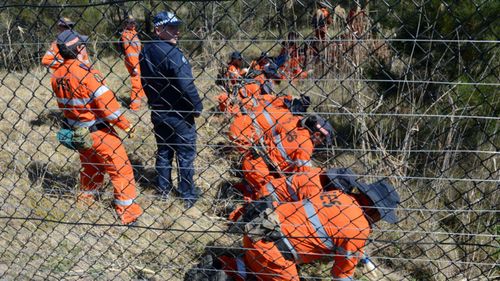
(334, 223)
(90, 112)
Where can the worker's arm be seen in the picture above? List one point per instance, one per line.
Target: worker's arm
(51, 59)
(346, 258)
(182, 73)
(104, 104)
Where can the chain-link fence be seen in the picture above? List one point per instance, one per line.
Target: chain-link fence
(411, 91)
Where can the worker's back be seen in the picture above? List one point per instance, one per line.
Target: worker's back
(329, 223)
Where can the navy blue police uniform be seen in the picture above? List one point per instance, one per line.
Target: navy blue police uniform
(169, 85)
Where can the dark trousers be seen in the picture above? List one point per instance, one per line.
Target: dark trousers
(175, 134)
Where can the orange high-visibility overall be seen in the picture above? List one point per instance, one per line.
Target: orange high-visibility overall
(294, 187)
(323, 20)
(132, 49)
(331, 223)
(233, 74)
(86, 102)
(291, 146)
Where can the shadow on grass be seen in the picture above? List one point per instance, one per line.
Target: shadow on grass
(48, 117)
(54, 183)
(212, 262)
(124, 101)
(229, 197)
(146, 177)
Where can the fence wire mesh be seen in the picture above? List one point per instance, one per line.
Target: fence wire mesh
(410, 88)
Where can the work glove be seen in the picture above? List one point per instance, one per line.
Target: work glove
(130, 132)
(135, 72)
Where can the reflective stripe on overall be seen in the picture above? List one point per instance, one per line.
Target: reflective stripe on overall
(320, 232)
(293, 195)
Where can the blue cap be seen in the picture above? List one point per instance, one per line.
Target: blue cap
(316, 123)
(271, 71)
(384, 197)
(236, 56)
(166, 18)
(382, 194)
(71, 37)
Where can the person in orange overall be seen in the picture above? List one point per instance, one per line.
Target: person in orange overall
(260, 90)
(52, 59)
(233, 75)
(293, 142)
(293, 187)
(131, 50)
(356, 20)
(292, 70)
(87, 103)
(272, 140)
(234, 71)
(333, 223)
(260, 62)
(247, 135)
(289, 60)
(321, 20)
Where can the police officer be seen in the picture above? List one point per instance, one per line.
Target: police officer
(169, 85)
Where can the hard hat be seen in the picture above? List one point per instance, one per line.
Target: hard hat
(236, 56)
(71, 37)
(65, 22)
(166, 18)
(316, 123)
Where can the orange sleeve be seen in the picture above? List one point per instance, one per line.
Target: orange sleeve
(233, 74)
(302, 155)
(328, 17)
(241, 132)
(346, 258)
(52, 59)
(104, 103)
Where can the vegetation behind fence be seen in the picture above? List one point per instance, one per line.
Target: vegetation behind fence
(411, 88)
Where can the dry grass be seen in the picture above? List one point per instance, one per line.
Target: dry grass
(36, 173)
(39, 178)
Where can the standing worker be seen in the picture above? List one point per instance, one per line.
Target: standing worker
(52, 59)
(90, 110)
(321, 20)
(131, 49)
(169, 85)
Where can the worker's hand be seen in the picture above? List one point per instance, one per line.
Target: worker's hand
(135, 72)
(130, 132)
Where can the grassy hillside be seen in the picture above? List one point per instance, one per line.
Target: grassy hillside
(47, 235)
